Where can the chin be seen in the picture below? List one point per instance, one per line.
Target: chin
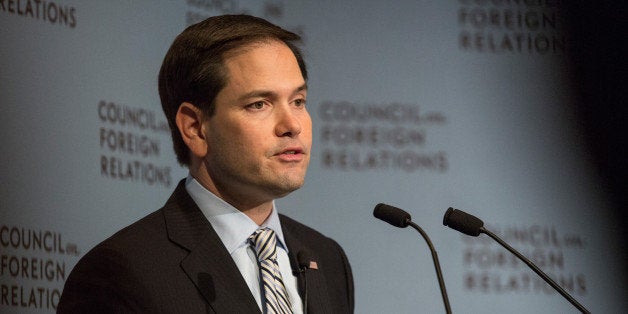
(287, 188)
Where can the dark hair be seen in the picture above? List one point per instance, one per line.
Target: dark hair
(193, 69)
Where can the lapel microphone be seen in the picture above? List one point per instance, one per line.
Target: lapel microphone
(401, 219)
(305, 261)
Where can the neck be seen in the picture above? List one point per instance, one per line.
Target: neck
(257, 210)
(259, 214)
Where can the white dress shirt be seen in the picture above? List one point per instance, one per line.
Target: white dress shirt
(234, 228)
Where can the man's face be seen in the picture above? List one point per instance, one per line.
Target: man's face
(260, 135)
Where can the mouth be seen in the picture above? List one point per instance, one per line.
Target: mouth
(291, 151)
(291, 154)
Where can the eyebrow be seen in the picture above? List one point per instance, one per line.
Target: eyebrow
(266, 93)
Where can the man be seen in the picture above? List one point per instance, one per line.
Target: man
(234, 90)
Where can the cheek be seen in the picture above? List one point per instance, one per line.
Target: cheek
(231, 130)
(248, 139)
(224, 138)
(307, 128)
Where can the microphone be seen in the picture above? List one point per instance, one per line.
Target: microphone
(473, 226)
(401, 219)
(305, 261)
(392, 215)
(463, 222)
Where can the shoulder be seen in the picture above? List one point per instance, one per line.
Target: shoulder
(105, 278)
(136, 233)
(131, 243)
(140, 248)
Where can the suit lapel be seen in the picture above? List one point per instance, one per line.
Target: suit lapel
(318, 300)
(208, 264)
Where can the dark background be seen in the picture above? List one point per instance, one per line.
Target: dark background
(600, 32)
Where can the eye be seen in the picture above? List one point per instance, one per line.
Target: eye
(300, 102)
(258, 105)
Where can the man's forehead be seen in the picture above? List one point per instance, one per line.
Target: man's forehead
(265, 67)
(248, 47)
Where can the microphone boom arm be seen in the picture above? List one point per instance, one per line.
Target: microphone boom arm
(439, 274)
(537, 270)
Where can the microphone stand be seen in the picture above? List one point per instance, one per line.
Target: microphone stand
(537, 270)
(439, 274)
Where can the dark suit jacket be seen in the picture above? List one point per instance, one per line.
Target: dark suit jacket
(172, 261)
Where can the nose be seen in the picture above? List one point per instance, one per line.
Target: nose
(288, 121)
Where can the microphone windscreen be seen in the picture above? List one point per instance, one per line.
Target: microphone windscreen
(463, 222)
(392, 215)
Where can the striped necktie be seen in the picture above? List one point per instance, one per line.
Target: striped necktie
(274, 295)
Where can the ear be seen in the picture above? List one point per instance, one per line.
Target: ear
(190, 123)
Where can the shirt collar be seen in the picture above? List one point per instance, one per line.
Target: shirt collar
(232, 226)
